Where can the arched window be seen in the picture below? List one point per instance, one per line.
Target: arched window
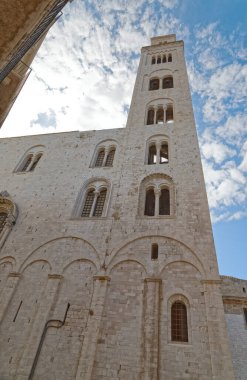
(179, 325)
(110, 157)
(154, 251)
(157, 196)
(104, 154)
(159, 59)
(150, 118)
(153, 60)
(152, 154)
(100, 158)
(154, 84)
(164, 58)
(157, 151)
(164, 153)
(94, 203)
(150, 202)
(160, 116)
(26, 163)
(168, 82)
(30, 160)
(164, 202)
(3, 217)
(169, 113)
(35, 162)
(169, 58)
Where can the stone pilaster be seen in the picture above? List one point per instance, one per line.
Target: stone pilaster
(151, 328)
(85, 367)
(34, 339)
(7, 292)
(221, 360)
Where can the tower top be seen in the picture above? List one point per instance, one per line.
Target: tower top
(163, 39)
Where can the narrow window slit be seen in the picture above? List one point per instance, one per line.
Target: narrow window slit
(245, 315)
(154, 251)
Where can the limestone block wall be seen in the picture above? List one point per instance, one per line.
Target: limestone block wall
(235, 305)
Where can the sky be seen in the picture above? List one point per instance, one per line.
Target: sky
(83, 76)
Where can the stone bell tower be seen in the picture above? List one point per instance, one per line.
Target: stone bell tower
(165, 204)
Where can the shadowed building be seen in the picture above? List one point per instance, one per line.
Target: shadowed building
(24, 25)
(107, 261)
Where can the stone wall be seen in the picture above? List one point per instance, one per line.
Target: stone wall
(235, 302)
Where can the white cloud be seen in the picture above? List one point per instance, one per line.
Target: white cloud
(207, 31)
(216, 151)
(243, 165)
(226, 186)
(234, 129)
(84, 73)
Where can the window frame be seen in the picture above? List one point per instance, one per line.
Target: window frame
(157, 140)
(157, 182)
(179, 297)
(167, 77)
(179, 322)
(154, 79)
(96, 184)
(36, 153)
(159, 103)
(107, 146)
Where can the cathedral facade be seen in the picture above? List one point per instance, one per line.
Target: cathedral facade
(107, 262)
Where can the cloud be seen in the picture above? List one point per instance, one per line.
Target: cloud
(84, 74)
(234, 129)
(216, 151)
(45, 119)
(207, 31)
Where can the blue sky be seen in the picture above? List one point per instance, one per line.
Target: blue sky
(84, 73)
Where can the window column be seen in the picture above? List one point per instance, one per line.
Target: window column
(96, 194)
(157, 197)
(158, 146)
(105, 157)
(155, 114)
(30, 163)
(165, 108)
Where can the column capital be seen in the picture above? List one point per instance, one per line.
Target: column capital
(211, 282)
(14, 274)
(55, 276)
(157, 192)
(152, 279)
(102, 278)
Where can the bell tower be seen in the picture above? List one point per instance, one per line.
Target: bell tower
(165, 204)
